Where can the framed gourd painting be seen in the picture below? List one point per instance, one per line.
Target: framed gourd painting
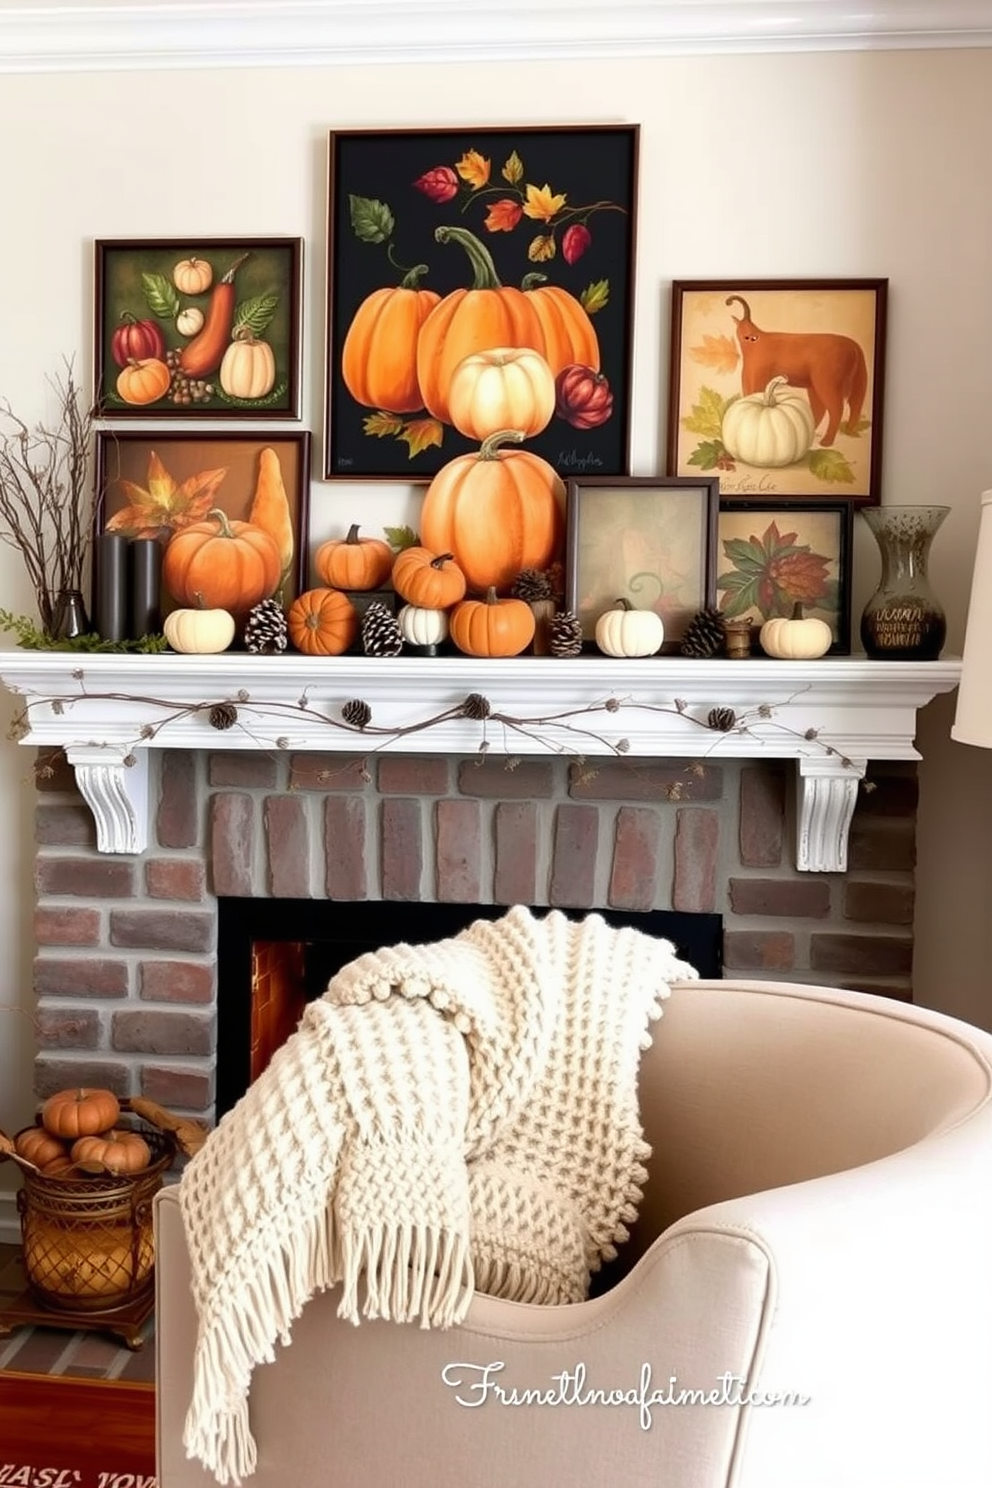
(478, 276)
(776, 386)
(194, 327)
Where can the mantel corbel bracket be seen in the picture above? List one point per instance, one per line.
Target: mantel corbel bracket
(828, 794)
(113, 781)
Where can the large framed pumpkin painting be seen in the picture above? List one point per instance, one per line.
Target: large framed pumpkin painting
(479, 279)
(157, 485)
(776, 387)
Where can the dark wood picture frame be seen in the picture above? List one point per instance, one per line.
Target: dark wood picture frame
(547, 208)
(149, 305)
(228, 461)
(648, 539)
(772, 555)
(776, 386)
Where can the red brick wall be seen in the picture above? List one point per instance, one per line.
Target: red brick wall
(125, 967)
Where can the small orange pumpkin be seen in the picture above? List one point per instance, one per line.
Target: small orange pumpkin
(508, 387)
(499, 511)
(322, 622)
(117, 1151)
(80, 1112)
(144, 381)
(221, 564)
(379, 356)
(492, 626)
(38, 1146)
(353, 562)
(428, 579)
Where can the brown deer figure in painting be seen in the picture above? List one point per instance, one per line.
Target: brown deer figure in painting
(830, 367)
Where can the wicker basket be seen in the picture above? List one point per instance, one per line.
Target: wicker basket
(87, 1241)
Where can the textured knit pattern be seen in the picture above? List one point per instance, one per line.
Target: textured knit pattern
(448, 1118)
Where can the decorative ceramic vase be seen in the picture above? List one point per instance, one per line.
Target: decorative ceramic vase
(903, 620)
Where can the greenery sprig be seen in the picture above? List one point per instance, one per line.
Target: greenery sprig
(31, 638)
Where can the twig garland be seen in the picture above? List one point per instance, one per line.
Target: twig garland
(356, 719)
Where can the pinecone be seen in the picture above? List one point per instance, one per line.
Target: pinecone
(532, 584)
(223, 715)
(381, 635)
(266, 632)
(565, 634)
(704, 636)
(357, 712)
(721, 719)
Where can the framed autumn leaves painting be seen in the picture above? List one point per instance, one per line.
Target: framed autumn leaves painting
(776, 386)
(445, 244)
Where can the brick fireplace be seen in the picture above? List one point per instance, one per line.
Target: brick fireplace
(126, 965)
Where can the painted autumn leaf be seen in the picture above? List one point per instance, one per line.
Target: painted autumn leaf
(473, 169)
(595, 296)
(772, 573)
(706, 416)
(542, 248)
(503, 215)
(421, 434)
(542, 204)
(513, 170)
(382, 425)
(165, 506)
(830, 465)
(710, 454)
(719, 353)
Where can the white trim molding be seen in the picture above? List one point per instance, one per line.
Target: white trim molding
(829, 717)
(121, 35)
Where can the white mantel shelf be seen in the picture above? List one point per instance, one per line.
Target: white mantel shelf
(108, 711)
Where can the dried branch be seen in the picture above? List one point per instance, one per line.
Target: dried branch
(47, 499)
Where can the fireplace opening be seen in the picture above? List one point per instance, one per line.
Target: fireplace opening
(275, 955)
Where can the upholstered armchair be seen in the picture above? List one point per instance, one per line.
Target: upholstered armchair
(817, 1224)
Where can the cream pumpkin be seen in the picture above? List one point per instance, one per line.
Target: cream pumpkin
(510, 387)
(797, 638)
(248, 367)
(624, 631)
(199, 632)
(769, 429)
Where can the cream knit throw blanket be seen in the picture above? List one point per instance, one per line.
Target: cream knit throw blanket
(447, 1118)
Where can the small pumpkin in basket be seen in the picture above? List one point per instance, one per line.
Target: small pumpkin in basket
(116, 1151)
(80, 1112)
(38, 1146)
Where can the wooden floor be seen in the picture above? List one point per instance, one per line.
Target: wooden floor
(73, 1401)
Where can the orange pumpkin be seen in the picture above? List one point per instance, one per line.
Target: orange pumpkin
(432, 581)
(144, 381)
(492, 626)
(38, 1146)
(509, 387)
(221, 564)
(353, 562)
(379, 356)
(498, 511)
(569, 334)
(322, 622)
(468, 321)
(80, 1112)
(117, 1151)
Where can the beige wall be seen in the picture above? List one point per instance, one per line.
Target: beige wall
(851, 163)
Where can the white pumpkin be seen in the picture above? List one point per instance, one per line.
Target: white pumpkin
(422, 627)
(199, 632)
(507, 387)
(624, 631)
(769, 429)
(248, 369)
(189, 321)
(800, 638)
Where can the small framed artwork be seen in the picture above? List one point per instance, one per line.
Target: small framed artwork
(776, 386)
(450, 244)
(194, 327)
(773, 556)
(650, 541)
(156, 485)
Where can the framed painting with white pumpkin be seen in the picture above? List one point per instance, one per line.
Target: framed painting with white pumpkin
(776, 386)
(187, 327)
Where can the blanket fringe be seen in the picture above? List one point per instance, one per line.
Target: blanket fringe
(409, 1272)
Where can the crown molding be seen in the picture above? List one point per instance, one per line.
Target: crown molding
(119, 35)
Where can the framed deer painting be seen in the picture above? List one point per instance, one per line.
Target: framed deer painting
(776, 386)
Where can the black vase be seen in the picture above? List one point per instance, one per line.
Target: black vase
(69, 617)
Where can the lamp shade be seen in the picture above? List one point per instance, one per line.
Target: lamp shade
(973, 718)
